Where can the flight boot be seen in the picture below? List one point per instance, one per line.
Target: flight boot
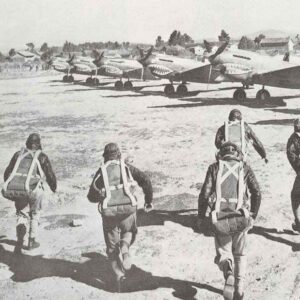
(125, 256)
(21, 231)
(119, 276)
(240, 265)
(32, 244)
(228, 290)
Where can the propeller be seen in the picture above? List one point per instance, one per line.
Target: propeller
(98, 57)
(143, 59)
(47, 57)
(71, 58)
(207, 46)
(220, 50)
(212, 57)
(286, 56)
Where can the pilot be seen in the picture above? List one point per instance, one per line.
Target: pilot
(224, 204)
(113, 188)
(239, 132)
(293, 152)
(19, 167)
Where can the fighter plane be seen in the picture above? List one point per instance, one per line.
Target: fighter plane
(30, 55)
(116, 67)
(178, 69)
(120, 68)
(60, 64)
(253, 68)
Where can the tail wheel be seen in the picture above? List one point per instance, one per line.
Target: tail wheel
(263, 95)
(239, 95)
(128, 85)
(119, 85)
(65, 78)
(181, 90)
(169, 89)
(89, 81)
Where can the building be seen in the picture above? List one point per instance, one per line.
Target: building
(279, 45)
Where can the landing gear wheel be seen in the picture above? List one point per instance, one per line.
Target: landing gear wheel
(71, 78)
(95, 81)
(181, 90)
(89, 81)
(128, 85)
(263, 95)
(239, 95)
(65, 78)
(169, 89)
(119, 85)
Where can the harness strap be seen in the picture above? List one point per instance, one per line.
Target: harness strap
(126, 185)
(106, 184)
(227, 124)
(23, 153)
(241, 186)
(238, 171)
(231, 171)
(33, 163)
(14, 171)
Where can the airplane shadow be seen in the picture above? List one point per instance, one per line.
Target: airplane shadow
(268, 233)
(156, 93)
(95, 272)
(198, 102)
(287, 122)
(290, 111)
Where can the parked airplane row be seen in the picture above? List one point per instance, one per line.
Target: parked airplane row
(222, 65)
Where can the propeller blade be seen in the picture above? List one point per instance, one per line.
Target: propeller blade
(144, 58)
(207, 46)
(149, 52)
(141, 52)
(218, 52)
(142, 75)
(286, 56)
(98, 58)
(71, 59)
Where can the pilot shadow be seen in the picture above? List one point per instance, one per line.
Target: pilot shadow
(96, 273)
(184, 217)
(272, 234)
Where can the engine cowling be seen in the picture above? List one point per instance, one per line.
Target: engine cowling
(159, 70)
(111, 70)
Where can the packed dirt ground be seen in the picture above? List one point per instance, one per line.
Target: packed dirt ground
(172, 139)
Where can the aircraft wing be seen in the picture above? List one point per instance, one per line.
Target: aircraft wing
(288, 77)
(26, 54)
(205, 73)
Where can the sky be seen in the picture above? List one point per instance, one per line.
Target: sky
(54, 21)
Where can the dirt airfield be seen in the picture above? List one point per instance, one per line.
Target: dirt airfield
(172, 139)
